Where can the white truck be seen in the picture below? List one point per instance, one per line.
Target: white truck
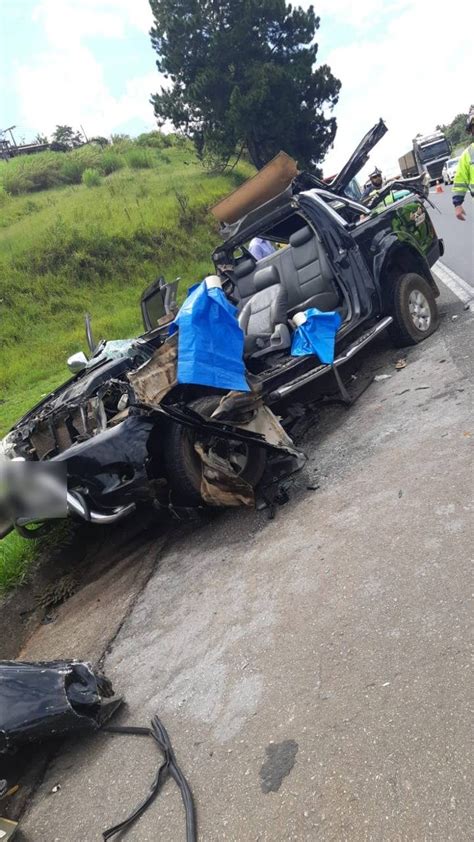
(428, 155)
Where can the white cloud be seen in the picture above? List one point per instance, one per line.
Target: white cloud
(66, 20)
(407, 71)
(357, 15)
(65, 83)
(77, 94)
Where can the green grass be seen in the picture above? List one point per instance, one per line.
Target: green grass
(70, 250)
(91, 177)
(16, 557)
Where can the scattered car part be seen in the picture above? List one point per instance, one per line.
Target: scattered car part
(42, 700)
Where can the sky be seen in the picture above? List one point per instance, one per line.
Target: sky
(90, 63)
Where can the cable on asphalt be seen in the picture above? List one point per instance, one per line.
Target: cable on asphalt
(169, 768)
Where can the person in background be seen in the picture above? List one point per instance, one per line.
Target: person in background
(464, 178)
(259, 248)
(376, 184)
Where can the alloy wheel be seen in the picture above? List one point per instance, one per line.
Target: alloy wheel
(419, 310)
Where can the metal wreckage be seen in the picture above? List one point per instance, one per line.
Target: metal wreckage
(198, 411)
(47, 701)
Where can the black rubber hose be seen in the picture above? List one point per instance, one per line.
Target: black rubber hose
(161, 736)
(128, 729)
(140, 809)
(169, 768)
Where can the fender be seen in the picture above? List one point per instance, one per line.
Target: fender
(394, 254)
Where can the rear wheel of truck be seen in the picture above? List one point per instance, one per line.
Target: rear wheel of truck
(183, 463)
(414, 310)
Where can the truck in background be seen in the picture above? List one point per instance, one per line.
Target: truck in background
(428, 155)
(408, 165)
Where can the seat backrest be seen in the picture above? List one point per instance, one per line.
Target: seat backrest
(303, 268)
(243, 276)
(267, 307)
(310, 279)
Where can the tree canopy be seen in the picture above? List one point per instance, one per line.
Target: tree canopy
(65, 137)
(242, 75)
(455, 131)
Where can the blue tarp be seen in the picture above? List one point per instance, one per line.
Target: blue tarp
(210, 340)
(317, 335)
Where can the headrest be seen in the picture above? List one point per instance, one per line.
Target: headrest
(266, 277)
(301, 237)
(245, 267)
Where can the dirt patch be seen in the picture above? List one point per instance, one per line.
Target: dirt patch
(22, 610)
(84, 625)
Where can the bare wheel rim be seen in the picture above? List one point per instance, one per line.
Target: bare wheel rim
(419, 310)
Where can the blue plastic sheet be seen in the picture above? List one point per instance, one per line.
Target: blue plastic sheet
(210, 341)
(317, 335)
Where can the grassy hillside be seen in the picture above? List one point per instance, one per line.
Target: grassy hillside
(73, 248)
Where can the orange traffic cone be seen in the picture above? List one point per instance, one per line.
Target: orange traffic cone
(439, 188)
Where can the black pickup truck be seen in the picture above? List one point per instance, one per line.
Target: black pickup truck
(371, 264)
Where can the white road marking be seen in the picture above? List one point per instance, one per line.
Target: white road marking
(461, 288)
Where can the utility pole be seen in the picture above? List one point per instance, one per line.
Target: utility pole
(10, 129)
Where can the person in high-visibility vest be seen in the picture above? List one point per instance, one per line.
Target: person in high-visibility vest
(464, 178)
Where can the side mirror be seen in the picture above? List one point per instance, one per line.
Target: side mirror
(77, 362)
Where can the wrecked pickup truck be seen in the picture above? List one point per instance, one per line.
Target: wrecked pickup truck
(127, 429)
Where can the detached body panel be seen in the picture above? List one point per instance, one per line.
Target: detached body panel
(40, 701)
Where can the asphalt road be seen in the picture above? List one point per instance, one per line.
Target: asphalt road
(458, 236)
(312, 670)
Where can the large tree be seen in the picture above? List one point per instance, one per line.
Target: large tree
(243, 74)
